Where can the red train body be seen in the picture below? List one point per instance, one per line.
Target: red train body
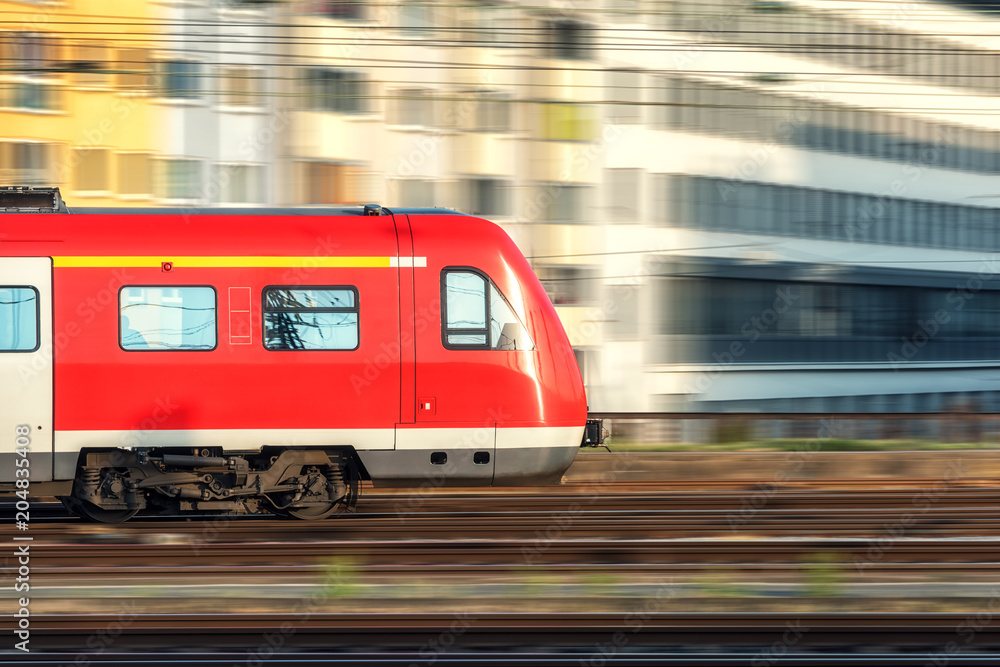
(239, 361)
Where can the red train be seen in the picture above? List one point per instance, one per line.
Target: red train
(251, 361)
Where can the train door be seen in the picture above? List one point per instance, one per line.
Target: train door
(455, 423)
(26, 366)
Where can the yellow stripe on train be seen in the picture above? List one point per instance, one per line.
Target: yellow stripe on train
(223, 262)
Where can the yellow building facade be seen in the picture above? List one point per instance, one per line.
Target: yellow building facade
(77, 99)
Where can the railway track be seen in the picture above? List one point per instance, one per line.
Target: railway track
(581, 555)
(641, 533)
(643, 507)
(518, 658)
(956, 527)
(652, 628)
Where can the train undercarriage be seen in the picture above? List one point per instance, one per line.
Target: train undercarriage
(114, 485)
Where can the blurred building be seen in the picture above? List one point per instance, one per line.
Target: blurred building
(827, 186)
(73, 98)
(216, 83)
(739, 205)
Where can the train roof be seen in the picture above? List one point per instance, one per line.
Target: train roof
(28, 199)
(303, 211)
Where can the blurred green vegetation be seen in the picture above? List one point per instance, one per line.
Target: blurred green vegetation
(342, 578)
(824, 574)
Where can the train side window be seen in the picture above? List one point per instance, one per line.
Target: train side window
(18, 319)
(465, 309)
(167, 318)
(471, 300)
(311, 318)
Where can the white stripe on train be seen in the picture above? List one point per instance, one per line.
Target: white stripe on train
(400, 439)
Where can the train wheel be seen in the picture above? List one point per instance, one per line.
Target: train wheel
(91, 512)
(337, 486)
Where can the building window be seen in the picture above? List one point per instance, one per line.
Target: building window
(333, 183)
(564, 121)
(30, 53)
(241, 86)
(471, 300)
(90, 63)
(167, 318)
(311, 318)
(18, 319)
(567, 39)
(852, 322)
(487, 23)
(413, 106)
(488, 196)
(179, 178)
(133, 70)
(31, 60)
(135, 174)
(240, 183)
(27, 163)
(416, 192)
(334, 90)
(563, 203)
(622, 307)
(493, 111)
(623, 96)
(751, 207)
(569, 285)
(180, 79)
(91, 167)
(331, 9)
(416, 18)
(623, 190)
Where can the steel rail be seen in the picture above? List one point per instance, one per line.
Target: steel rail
(604, 552)
(310, 628)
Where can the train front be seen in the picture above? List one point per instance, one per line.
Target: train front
(500, 364)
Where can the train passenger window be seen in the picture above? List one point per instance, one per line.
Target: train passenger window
(167, 318)
(311, 318)
(18, 319)
(471, 300)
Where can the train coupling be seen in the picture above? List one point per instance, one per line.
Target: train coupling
(594, 433)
